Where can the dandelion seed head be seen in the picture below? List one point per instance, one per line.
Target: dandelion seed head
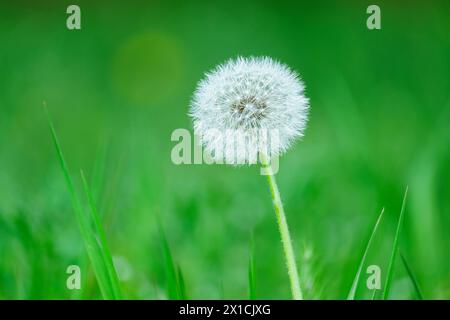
(243, 98)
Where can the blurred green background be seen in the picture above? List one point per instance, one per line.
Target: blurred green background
(117, 88)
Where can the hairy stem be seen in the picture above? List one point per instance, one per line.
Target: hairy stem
(284, 232)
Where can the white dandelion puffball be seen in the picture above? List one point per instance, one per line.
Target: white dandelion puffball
(249, 106)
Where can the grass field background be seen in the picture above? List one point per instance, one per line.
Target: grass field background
(117, 88)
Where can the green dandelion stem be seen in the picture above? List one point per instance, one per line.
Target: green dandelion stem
(284, 232)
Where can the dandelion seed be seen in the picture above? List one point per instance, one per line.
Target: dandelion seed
(249, 95)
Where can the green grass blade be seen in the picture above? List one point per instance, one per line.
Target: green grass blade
(104, 249)
(87, 234)
(374, 294)
(411, 276)
(352, 293)
(251, 273)
(390, 271)
(181, 285)
(173, 288)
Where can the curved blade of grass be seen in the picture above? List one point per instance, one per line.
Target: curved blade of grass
(374, 294)
(89, 238)
(104, 249)
(352, 293)
(181, 285)
(387, 285)
(173, 286)
(411, 276)
(251, 273)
